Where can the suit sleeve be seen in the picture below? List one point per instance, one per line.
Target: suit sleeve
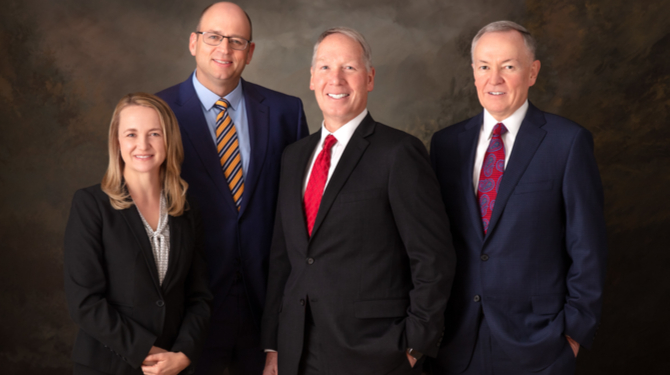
(85, 285)
(198, 299)
(424, 228)
(303, 129)
(280, 269)
(586, 240)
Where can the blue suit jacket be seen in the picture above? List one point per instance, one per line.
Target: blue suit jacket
(538, 273)
(237, 241)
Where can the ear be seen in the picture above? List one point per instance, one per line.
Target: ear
(192, 42)
(534, 71)
(250, 54)
(311, 78)
(371, 78)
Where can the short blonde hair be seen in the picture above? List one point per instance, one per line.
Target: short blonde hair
(351, 33)
(174, 187)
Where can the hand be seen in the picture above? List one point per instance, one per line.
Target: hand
(271, 364)
(154, 350)
(167, 363)
(573, 344)
(412, 360)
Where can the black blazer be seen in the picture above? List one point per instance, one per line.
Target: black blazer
(112, 288)
(378, 268)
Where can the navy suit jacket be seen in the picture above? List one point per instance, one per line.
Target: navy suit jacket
(538, 274)
(237, 241)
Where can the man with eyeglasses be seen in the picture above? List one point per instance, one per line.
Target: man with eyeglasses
(234, 133)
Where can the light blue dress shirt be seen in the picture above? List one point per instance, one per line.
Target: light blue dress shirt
(237, 112)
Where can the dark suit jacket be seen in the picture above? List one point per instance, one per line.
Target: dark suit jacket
(112, 287)
(540, 269)
(378, 268)
(237, 241)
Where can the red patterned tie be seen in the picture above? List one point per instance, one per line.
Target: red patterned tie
(317, 182)
(491, 174)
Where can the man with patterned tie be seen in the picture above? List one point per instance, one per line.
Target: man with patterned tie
(362, 261)
(523, 192)
(234, 133)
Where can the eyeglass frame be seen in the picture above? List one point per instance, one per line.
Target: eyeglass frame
(222, 38)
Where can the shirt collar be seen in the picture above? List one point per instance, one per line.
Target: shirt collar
(346, 131)
(512, 123)
(208, 98)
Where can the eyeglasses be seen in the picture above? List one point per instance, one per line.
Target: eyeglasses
(213, 39)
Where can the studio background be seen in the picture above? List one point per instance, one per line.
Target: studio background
(64, 65)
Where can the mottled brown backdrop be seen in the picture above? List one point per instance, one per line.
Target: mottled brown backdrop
(64, 65)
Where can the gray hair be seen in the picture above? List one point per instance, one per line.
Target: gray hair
(502, 26)
(351, 33)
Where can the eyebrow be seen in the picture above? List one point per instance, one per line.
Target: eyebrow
(222, 34)
(502, 62)
(345, 62)
(150, 130)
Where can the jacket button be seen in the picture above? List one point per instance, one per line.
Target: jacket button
(310, 260)
(477, 298)
(484, 257)
(160, 303)
(302, 302)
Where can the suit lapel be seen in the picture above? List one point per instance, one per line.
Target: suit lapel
(258, 122)
(194, 125)
(468, 139)
(352, 154)
(527, 141)
(176, 225)
(295, 185)
(136, 226)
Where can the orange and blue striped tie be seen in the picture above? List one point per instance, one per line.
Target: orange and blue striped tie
(229, 151)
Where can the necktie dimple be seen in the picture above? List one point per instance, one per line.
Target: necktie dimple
(229, 151)
(491, 174)
(317, 182)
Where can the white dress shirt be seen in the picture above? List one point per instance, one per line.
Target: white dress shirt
(512, 123)
(343, 135)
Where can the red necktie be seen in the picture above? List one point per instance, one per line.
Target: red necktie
(491, 174)
(317, 182)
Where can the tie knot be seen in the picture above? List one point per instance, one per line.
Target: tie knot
(222, 104)
(499, 129)
(329, 142)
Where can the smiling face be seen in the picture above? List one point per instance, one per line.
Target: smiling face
(504, 70)
(340, 80)
(220, 67)
(141, 140)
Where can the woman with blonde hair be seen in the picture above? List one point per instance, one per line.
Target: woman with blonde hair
(135, 276)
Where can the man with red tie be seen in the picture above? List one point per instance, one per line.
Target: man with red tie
(361, 261)
(523, 192)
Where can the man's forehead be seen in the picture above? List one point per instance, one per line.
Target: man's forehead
(498, 39)
(500, 49)
(344, 48)
(331, 56)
